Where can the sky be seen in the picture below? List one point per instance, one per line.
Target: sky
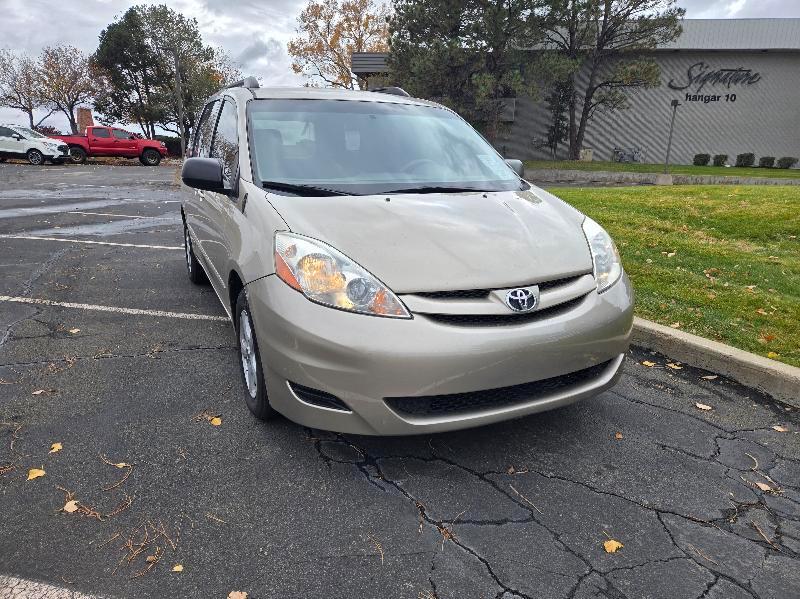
(254, 33)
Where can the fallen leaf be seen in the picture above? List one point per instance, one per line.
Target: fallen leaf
(70, 506)
(671, 254)
(216, 421)
(237, 595)
(710, 377)
(39, 391)
(674, 366)
(702, 406)
(612, 546)
(763, 486)
(35, 473)
(122, 465)
(772, 355)
(177, 568)
(675, 325)
(780, 428)
(648, 363)
(74, 331)
(55, 447)
(618, 436)
(762, 311)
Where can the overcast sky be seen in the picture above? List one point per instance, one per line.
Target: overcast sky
(253, 32)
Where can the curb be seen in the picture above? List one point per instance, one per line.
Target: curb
(556, 176)
(781, 381)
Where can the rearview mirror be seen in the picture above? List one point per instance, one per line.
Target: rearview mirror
(203, 173)
(516, 166)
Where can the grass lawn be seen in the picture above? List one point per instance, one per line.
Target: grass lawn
(720, 261)
(675, 169)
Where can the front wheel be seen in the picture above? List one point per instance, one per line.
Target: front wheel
(150, 157)
(35, 157)
(252, 373)
(77, 155)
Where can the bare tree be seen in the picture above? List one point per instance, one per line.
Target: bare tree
(20, 85)
(66, 80)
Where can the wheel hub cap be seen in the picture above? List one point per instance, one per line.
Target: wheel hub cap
(248, 350)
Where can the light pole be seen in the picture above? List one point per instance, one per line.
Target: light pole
(674, 105)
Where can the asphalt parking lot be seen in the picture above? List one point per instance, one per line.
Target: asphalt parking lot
(107, 349)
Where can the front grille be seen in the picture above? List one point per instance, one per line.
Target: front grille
(484, 293)
(476, 401)
(63, 149)
(510, 319)
(319, 398)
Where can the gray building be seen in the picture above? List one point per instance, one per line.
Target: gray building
(738, 82)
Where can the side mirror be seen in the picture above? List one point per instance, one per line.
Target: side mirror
(516, 166)
(203, 173)
(18, 137)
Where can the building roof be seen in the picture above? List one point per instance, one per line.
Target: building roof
(698, 34)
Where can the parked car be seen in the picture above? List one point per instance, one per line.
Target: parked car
(387, 271)
(111, 141)
(22, 142)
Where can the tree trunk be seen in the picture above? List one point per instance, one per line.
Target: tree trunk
(574, 153)
(30, 117)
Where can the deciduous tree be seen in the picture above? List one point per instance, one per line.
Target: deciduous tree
(608, 42)
(20, 84)
(328, 33)
(66, 80)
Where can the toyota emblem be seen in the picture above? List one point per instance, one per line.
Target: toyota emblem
(521, 300)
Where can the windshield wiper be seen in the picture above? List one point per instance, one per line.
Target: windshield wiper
(434, 189)
(301, 189)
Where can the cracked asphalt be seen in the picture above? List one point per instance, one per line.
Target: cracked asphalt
(705, 503)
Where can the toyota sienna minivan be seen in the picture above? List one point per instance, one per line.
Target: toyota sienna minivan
(387, 272)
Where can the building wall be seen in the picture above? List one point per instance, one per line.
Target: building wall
(763, 119)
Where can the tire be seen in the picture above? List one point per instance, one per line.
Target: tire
(195, 271)
(35, 157)
(77, 155)
(57, 161)
(255, 394)
(150, 157)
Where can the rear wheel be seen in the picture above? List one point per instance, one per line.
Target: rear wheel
(196, 273)
(252, 373)
(77, 155)
(150, 157)
(35, 157)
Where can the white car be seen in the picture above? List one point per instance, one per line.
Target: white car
(21, 142)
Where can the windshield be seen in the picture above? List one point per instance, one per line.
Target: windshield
(345, 146)
(30, 133)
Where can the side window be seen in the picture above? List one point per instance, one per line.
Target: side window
(202, 137)
(225, 145)
(120, 134)
(6, 132)
(99, 132)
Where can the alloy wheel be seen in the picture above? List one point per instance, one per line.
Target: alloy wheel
(187, 244)
(248, 351)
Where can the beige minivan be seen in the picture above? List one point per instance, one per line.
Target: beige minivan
(387, 272)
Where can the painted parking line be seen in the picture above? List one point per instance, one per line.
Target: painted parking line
(126, 245)
(12, 587)
(113, 309)
(109, 214)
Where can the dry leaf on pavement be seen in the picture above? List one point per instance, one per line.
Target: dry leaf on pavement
(702, 406)
(648, 363)
(674, 366)
(35, 473)
(780, 428)
(763, 486)
(618, 436)
(237, 595)
(55, 447)
(709, 377)
(216, 421)
(177, 568)
(70, 506)
(612, 546)
(74, 331)
(40, 391)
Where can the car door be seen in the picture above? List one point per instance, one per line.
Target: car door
(100, 141)
(9, 144)
(195, 205)
(223, 208)
(123, 142)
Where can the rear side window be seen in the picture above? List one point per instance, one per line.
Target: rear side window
(226, 142)
(205, 129)
(120, 134)
(100, 132)
(6, 132)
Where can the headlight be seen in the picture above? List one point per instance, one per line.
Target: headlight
(605, 257)
(326, 276)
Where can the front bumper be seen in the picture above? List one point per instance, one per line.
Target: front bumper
(363, 359)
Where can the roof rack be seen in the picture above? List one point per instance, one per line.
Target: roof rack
(248, 82)
(393, 90)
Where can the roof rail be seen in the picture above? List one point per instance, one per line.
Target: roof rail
(393, 90)
(248, 82)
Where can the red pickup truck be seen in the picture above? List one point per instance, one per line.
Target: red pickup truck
(110, 141)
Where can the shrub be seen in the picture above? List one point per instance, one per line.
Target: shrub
(766, 161)
(786, 162)
(701, 159)
(173, 144)
(720, 159)
(746, 159)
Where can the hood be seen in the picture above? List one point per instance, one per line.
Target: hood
(447, 242)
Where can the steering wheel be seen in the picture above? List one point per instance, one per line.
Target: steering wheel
(416, 163)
